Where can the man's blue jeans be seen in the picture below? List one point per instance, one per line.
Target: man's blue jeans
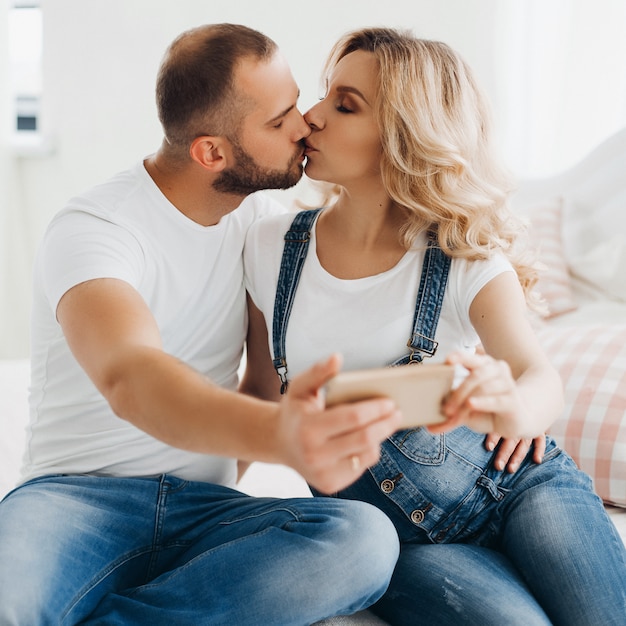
(97, 550)
(481, 546)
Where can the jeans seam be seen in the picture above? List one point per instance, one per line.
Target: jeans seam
(296, 516)
(159, 521)
(96, 580)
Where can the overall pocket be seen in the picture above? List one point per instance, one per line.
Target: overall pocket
(425, 478)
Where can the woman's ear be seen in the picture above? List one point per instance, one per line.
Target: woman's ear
(208, 152)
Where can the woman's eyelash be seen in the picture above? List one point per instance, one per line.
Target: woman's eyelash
(339, 107)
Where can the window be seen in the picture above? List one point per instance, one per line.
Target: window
(25, 58)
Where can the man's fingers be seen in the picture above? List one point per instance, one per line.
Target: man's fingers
(491, 441)
(333, 446)
(356, 417)
(354, 445)
(540, 449)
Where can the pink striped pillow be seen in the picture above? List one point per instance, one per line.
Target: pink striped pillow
(592, 362)
(545, 236)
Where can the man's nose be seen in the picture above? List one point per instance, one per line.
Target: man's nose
(304, 129)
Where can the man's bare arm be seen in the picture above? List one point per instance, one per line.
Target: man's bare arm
(114, 337)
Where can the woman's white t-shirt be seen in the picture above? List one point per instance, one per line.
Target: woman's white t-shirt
(368, 320)
(191, 278)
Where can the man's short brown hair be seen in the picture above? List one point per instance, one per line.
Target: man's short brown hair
(195, 87)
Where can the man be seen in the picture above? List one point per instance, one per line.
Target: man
(127, 513)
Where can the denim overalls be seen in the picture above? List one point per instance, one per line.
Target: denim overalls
(436, 488)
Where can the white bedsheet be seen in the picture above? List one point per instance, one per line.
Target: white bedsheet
(14, 376)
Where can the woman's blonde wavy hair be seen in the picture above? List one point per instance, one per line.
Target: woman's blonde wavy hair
(437, 161)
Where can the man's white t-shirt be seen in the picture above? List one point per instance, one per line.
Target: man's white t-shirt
(369, 320)
(191, 278)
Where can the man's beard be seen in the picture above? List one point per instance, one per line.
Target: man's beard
(246, 177)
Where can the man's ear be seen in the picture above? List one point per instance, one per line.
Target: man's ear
(208, 152)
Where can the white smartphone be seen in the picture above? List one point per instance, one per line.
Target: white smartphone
(417, 390)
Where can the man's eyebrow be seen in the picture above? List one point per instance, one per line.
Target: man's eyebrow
(283, 113)
(354, 90)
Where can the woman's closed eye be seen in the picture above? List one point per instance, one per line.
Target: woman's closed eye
(345, 105)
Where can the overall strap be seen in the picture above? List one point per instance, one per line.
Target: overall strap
(428, 304)
(294, 253)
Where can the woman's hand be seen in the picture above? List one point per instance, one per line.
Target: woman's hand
(487, 400)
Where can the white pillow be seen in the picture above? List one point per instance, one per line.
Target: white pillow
(594, 243)
(604, 266)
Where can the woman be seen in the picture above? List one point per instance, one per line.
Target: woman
(402, 133)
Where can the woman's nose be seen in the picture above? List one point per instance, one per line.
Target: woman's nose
(314, 118)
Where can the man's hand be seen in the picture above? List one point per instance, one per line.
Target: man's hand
(332, 447)
(511, 452)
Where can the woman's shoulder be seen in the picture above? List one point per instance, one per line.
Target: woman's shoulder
(272, 226)
(496, 260)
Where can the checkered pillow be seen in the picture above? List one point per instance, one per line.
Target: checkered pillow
(592, 362)
(545, 234)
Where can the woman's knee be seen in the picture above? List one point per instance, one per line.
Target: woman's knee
(458, 584)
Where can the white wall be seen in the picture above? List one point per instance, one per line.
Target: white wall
(15, 252)
(5, 159)
(100, 62)
(101, 59)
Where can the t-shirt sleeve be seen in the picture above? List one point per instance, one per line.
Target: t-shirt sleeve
(258, 254)
(253, 260)
(471, 277)
(79, 246)
(262, 257)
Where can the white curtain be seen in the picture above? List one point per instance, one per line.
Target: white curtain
(560, 80)
(15, 264)
(14, 253)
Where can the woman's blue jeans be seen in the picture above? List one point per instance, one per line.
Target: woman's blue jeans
(96, 550)
(481, 546)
